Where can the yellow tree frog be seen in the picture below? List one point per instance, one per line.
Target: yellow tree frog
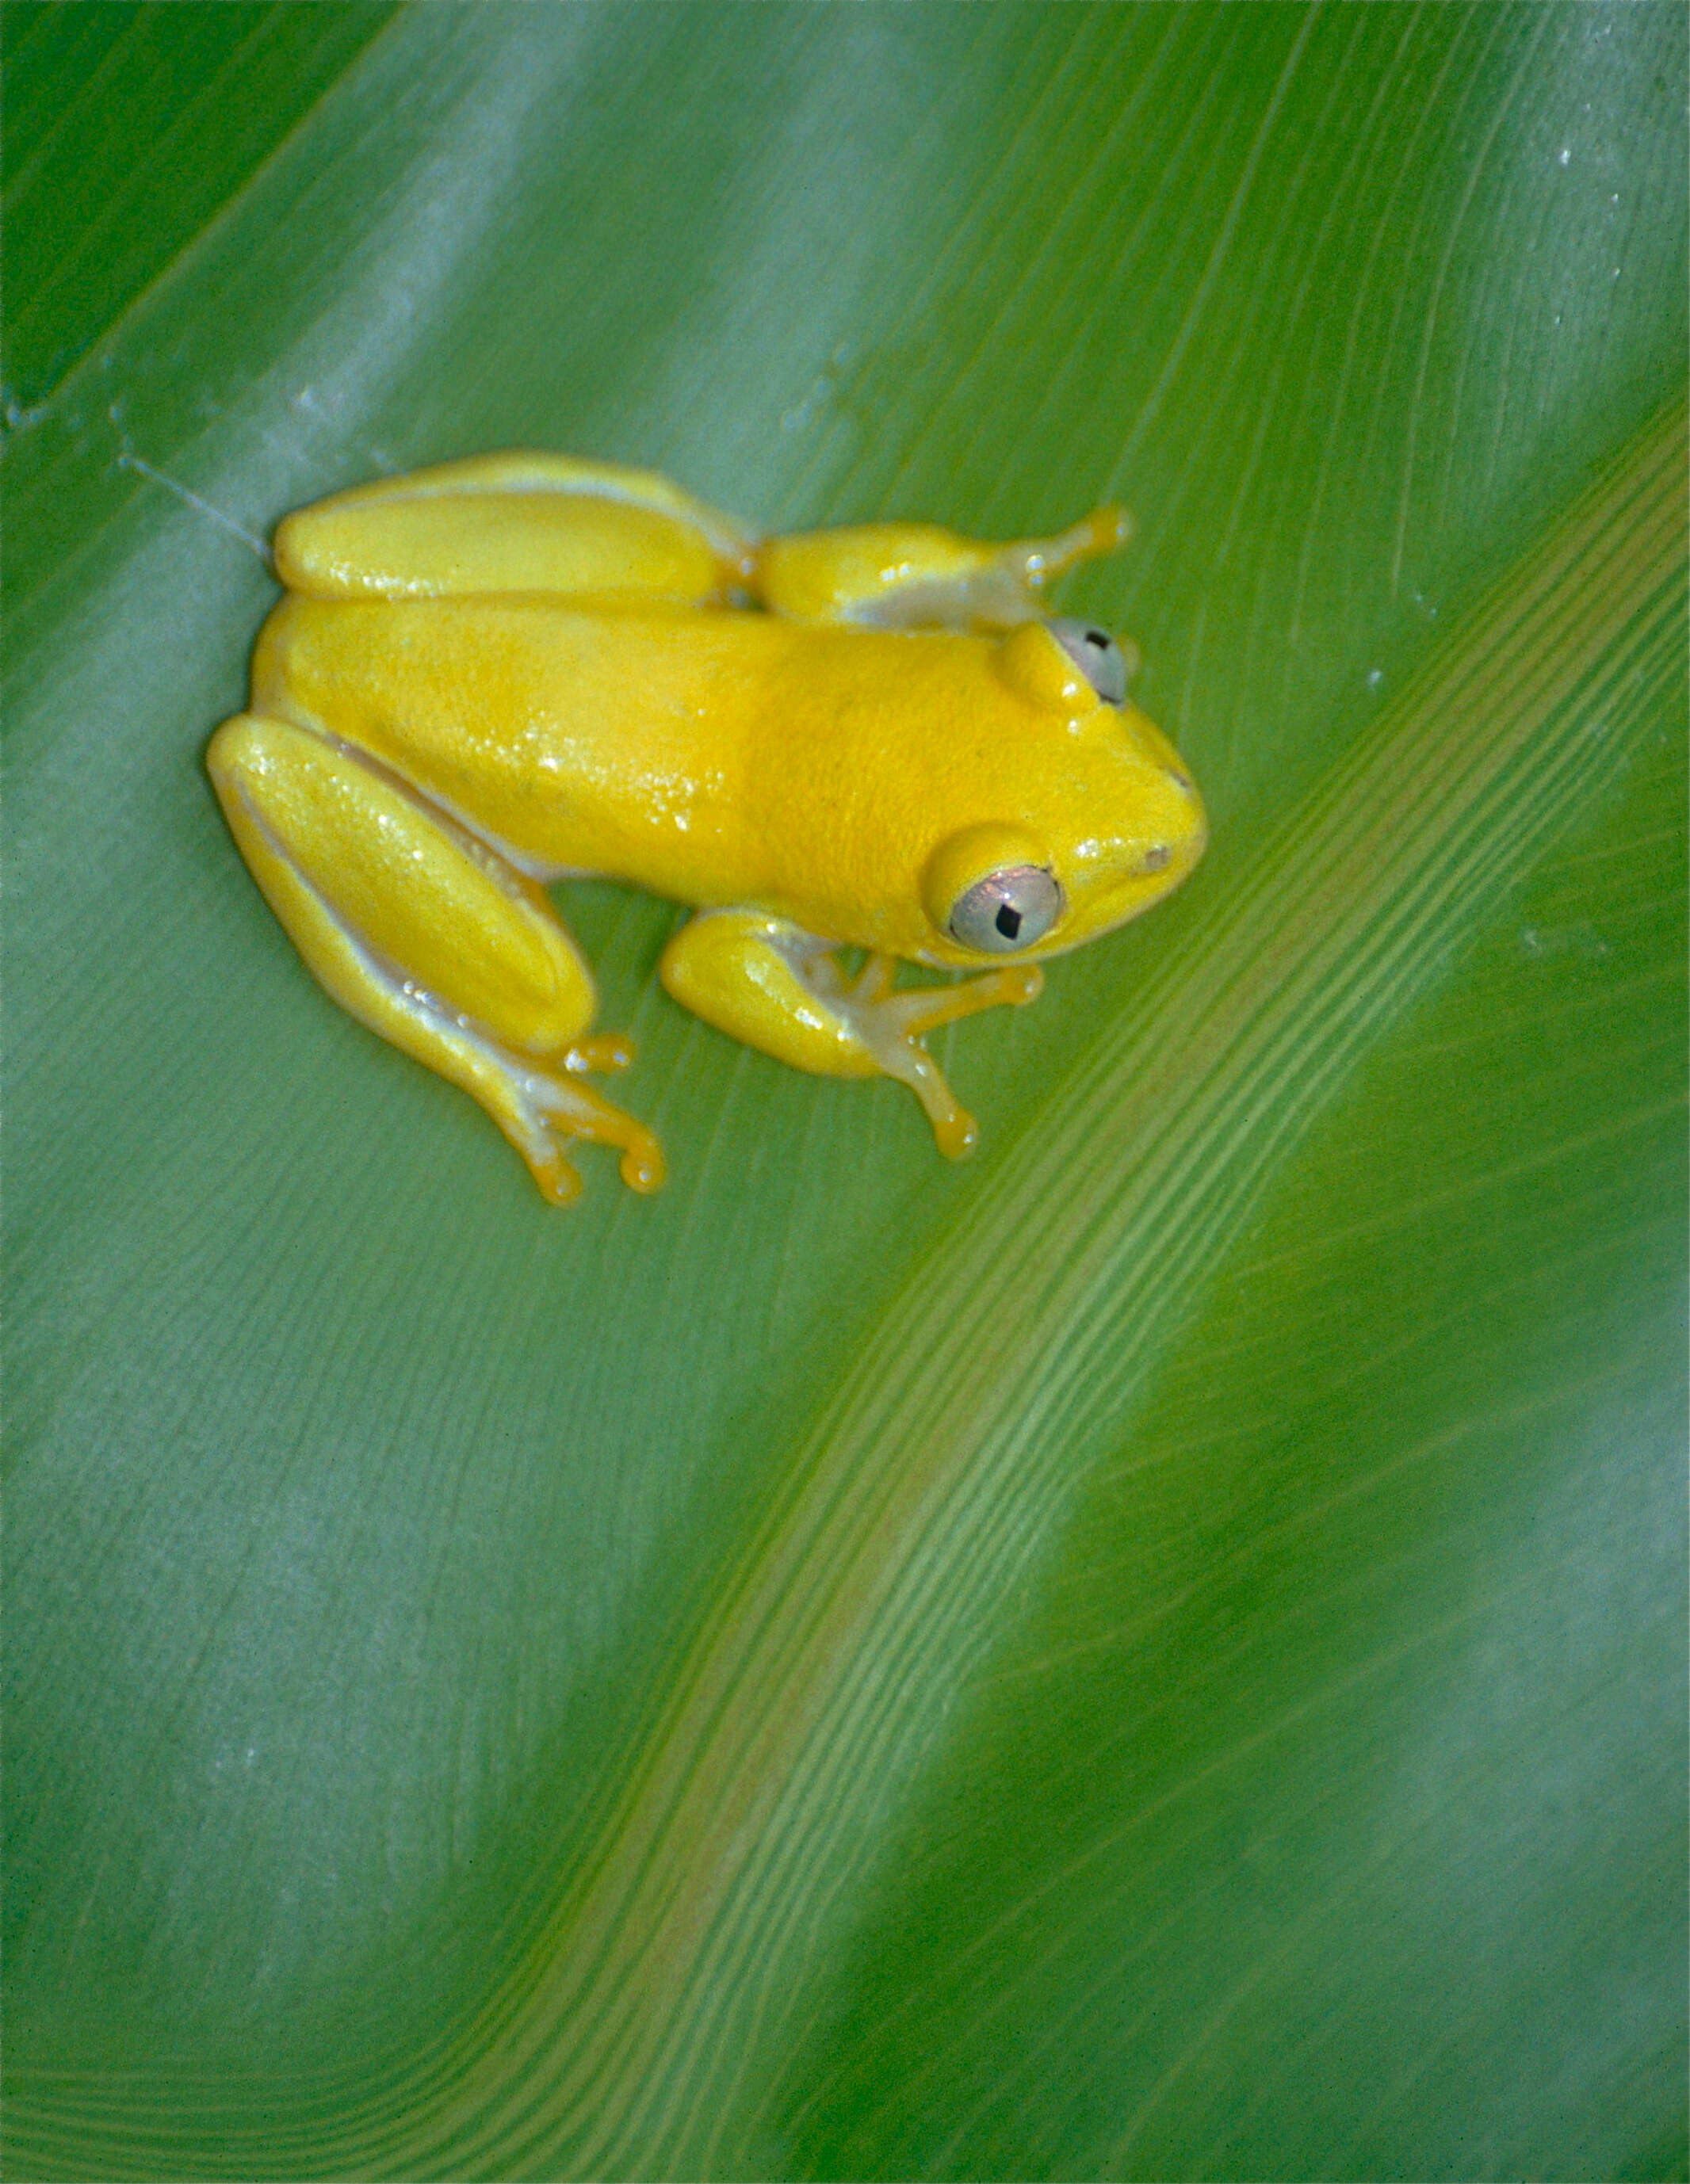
(503, 672)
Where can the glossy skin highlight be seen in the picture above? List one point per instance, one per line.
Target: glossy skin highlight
(521, 668)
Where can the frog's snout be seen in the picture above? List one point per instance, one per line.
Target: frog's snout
(1186, 839)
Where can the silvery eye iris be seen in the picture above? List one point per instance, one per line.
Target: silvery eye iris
(1096, 654)
(1007, 909)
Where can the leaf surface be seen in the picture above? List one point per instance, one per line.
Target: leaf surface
(1159, 1652)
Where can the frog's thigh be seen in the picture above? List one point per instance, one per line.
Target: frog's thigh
(912, 575)
(427, 936)
(515, 523)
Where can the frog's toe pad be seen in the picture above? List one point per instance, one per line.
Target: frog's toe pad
(562, 1108)
(558, 1181)
(957, 1134)
(606, 1054)
(643, 1167)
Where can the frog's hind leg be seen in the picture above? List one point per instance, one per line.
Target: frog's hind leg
(429, 938)
(916, 576)
(518, 522)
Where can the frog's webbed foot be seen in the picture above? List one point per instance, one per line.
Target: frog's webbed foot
(892, 1025)
(427, 936)
(780, 989)
(555, 1106)
(916, 576)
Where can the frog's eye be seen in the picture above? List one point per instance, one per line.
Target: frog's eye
(1096, 654)
(1007, 909)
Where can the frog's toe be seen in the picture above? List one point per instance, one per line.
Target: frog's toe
(568, 1109)
(605, 1055)
(957, 1134)
(559, 1182)
(643, 1167)
(892, 1026)
(921, 1009)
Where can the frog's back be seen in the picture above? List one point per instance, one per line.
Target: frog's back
(686, 750)
(553, 728)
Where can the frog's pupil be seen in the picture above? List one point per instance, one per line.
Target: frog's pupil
(1096, 637)
(1008, 921)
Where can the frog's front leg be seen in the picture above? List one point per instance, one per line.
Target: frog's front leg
(431, 938)
(769, 983)
(916, 576)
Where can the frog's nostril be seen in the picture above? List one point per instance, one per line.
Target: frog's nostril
(1156, 858)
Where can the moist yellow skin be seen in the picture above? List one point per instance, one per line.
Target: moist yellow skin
(521, 668)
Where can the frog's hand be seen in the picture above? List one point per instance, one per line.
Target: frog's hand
(914, 576)
(430, 938)
(778, 988)
(516, 523)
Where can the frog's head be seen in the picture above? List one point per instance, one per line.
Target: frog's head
(1106, 819)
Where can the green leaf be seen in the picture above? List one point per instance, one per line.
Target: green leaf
(1159, 1652)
